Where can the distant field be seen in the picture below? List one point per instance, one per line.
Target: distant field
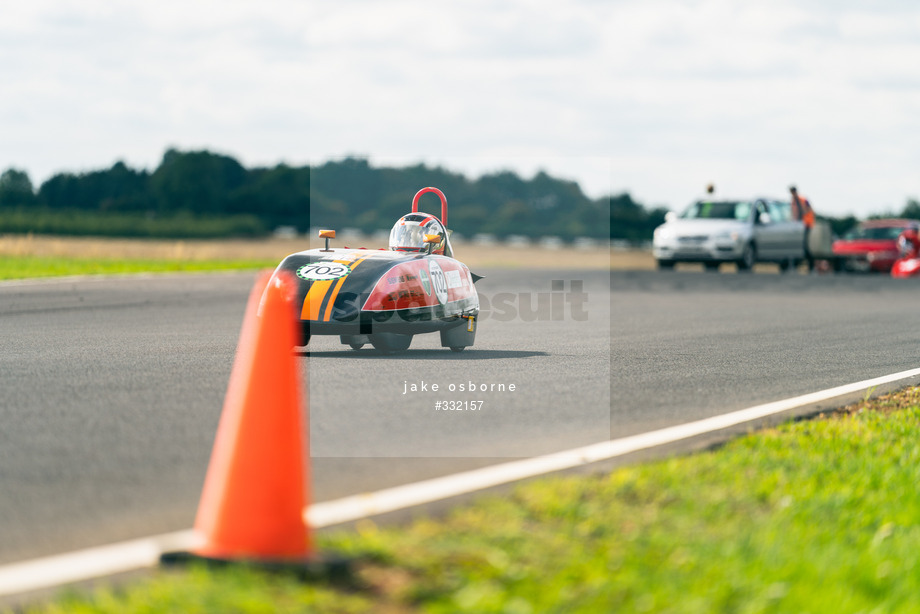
(221, 254)
(273, 250)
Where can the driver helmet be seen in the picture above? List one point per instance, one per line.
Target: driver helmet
(909, 243)
(408, 234)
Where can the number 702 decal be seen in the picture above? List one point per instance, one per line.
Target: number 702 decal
(322, 271)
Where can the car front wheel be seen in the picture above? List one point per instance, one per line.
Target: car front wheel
(390, 343)
(748, 257)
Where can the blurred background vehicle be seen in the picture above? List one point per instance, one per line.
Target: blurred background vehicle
(908, 264)
(740, 231)
(872, 246)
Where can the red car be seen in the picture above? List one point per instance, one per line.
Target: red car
(872, 246)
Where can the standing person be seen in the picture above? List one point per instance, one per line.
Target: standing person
(801, 210)
(909, 263)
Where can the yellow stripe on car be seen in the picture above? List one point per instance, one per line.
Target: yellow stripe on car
(313, 303)
(335, 290)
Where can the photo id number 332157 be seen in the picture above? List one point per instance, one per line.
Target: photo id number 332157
(458, 405)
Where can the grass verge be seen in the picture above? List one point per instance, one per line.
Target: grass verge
(29, 267)
(813, 516)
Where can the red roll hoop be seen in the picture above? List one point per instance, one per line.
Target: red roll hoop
(440, 194)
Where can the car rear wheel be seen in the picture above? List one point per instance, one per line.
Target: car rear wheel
(665, 265)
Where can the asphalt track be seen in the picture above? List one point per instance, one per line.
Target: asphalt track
(110, 390)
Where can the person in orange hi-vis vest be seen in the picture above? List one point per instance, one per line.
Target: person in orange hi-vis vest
(801, 210)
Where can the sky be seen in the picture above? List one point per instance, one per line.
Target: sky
(656, 98)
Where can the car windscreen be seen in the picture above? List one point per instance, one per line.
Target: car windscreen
(876, 233)
(718, 210)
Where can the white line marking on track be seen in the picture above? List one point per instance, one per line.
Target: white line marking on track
(91, 563)
(401, 497)
(137, 554)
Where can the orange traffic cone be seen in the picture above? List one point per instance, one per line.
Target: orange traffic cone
(255, 492)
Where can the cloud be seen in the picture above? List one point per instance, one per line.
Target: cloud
(671, 94)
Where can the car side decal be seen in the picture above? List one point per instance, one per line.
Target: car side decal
(438, 281)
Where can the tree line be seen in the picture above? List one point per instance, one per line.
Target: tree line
(190, 188)
(203, 193)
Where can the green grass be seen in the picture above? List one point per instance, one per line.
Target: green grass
(26, 267)
(814, 516)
